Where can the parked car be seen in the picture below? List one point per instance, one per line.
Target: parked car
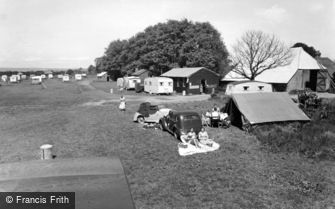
(178, 123)
(150, 113)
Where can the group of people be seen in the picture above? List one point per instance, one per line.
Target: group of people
(215, 114)
(192, 138)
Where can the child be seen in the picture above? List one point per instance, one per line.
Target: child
(122, 105)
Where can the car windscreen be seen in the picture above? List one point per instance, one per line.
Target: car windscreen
(190, 117)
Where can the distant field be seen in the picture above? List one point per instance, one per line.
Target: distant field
(241, 174)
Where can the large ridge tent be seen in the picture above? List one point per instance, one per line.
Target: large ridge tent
(260, 108)
(303, 71)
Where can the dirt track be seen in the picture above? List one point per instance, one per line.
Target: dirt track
(155, 99)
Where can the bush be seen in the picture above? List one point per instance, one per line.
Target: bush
(314, 140)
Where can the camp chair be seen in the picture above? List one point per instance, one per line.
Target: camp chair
(205, 120)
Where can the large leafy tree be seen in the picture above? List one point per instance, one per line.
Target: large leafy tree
(167, 45)
(257, 52)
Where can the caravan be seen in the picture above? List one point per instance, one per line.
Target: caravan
(130, 82)
(78, 77)
(158, 85)
(13, 79)
(36, 80)
(243, 87)
(66, 78)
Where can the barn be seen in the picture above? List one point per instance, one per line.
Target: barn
(193, 80)
(302, 72)
(142, 74)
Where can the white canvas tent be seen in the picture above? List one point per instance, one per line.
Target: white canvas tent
(263, 108)
(302, 72)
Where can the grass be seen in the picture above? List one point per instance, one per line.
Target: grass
(241, 174)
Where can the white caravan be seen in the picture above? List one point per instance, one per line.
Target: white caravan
(243, 87)
(66, 78)
(78, 77)
(158, 85)
(36, 80)
(130, 82)
(13, 79)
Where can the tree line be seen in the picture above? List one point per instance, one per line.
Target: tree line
(167, 45)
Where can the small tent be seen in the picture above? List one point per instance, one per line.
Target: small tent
(260, 108)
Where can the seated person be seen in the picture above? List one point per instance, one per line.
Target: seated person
(215, 115)
(223, 116)
(203, 137)
(208, 114)
(190, 138)
(215, 108)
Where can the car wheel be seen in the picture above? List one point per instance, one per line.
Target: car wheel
(140, 119)
(161, 126)
(175, 135)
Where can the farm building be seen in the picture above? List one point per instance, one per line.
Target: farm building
(248, 87)
(158, 85)
(260, 108)
(142, 74)
(328, 63)
(302, 72)
(195, 80)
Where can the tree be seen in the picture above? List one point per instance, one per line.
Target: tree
(70, 72)
(309, 49)
(167, 45)
(91, 69)
(257, 52)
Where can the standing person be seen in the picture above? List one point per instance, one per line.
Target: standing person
(122, 105)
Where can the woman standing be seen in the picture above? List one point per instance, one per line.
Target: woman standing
(122, 105)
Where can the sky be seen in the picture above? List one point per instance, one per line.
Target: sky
(72, 33)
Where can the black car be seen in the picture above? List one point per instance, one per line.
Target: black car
(178, 123)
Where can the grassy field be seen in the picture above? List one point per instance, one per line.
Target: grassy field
(241, 174)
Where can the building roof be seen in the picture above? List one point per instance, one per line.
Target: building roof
(300, 61)
(139, 72)
(328, 63)
(268, 107)
(183, 72)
